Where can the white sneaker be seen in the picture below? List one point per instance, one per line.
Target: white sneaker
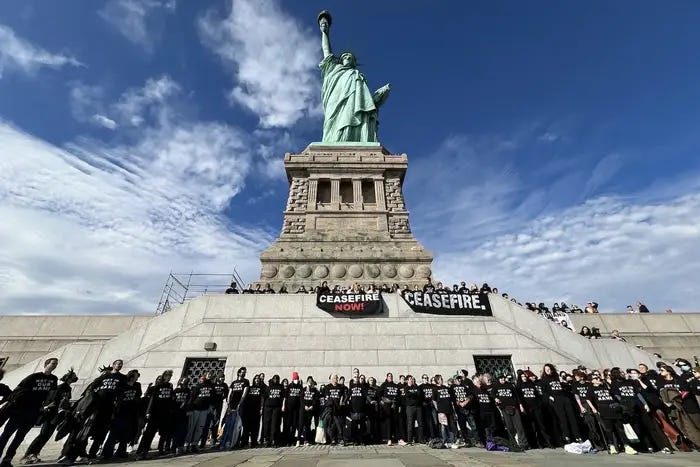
(613, 450)
(630, 450)
(298, 443)
(454, 446)
(402, 442)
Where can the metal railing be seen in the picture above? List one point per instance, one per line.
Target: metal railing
(180, 287)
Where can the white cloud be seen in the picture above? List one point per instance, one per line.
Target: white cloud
(136, 107)
(273, 60)
(135, 104)
(134, 19)
(19, 54)
(609, 249)
(95, 227)
(103, 121)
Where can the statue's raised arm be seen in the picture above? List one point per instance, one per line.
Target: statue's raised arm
(324, 23)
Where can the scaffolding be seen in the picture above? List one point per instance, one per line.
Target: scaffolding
(180, 287)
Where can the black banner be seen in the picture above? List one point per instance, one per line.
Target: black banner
(353, 303)
(476, 304)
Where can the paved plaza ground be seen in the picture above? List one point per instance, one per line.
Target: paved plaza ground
(397, 456)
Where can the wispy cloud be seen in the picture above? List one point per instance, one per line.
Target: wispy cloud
(135, 19)
(18, 54)
(272, 58)
(104, 222)
(557, 231)
(610, 249)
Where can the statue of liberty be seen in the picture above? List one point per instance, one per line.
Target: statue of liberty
(349, 108)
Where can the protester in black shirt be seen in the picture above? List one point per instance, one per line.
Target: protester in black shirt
(252, 410)
(582, 394)
(158, 414)
(560, 403)
(428, 415)
(531, 396)
(52, 414)
(238, 390)
(106, 388)
(310, 401)
(388, 409)
(373, 410)
(603, 404)
(124, 422)
(292, 410)
(233, 289)
(181, 398)
(413, 403)
(24, 406)
(201, 403)
(220, 395)
(508, 402)
(487, 408)
(463, 398)
(334, 397)
(428, 287)
(442, 401)
(357, 395)
(272, 411)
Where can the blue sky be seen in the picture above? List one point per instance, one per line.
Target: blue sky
(552, 145)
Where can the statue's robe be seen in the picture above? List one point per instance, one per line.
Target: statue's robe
(350, 113)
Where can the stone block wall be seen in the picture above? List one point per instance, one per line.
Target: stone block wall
(298, 195)
(394, 195)
(285, 333)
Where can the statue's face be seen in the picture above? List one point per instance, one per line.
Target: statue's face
(348, 59)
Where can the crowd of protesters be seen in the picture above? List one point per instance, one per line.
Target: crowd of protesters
(429, 286)
(634, 410)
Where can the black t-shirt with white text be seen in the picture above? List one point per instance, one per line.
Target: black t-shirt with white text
(442, 395)
(428, 390)
(506, 394)
(203, 395)
(237, 389)
(33, 391)
(293, 396)
(358, 397)
(274, 395)
(530, 394)
(388, 392)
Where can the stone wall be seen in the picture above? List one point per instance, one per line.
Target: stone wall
(283, 333)
(26, 338)
(671, 335)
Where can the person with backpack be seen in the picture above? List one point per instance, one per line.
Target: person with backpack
(509, 404)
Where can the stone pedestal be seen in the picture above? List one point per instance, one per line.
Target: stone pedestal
(345, 221)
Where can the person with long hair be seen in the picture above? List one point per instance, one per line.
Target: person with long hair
(556, 393)
(388, 394)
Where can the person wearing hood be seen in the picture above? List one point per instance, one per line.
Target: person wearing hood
(334, 398)
(292, 409)
(692, 389)
(58, 404)
(24, 405)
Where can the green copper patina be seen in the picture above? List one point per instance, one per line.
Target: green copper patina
(349, 108)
